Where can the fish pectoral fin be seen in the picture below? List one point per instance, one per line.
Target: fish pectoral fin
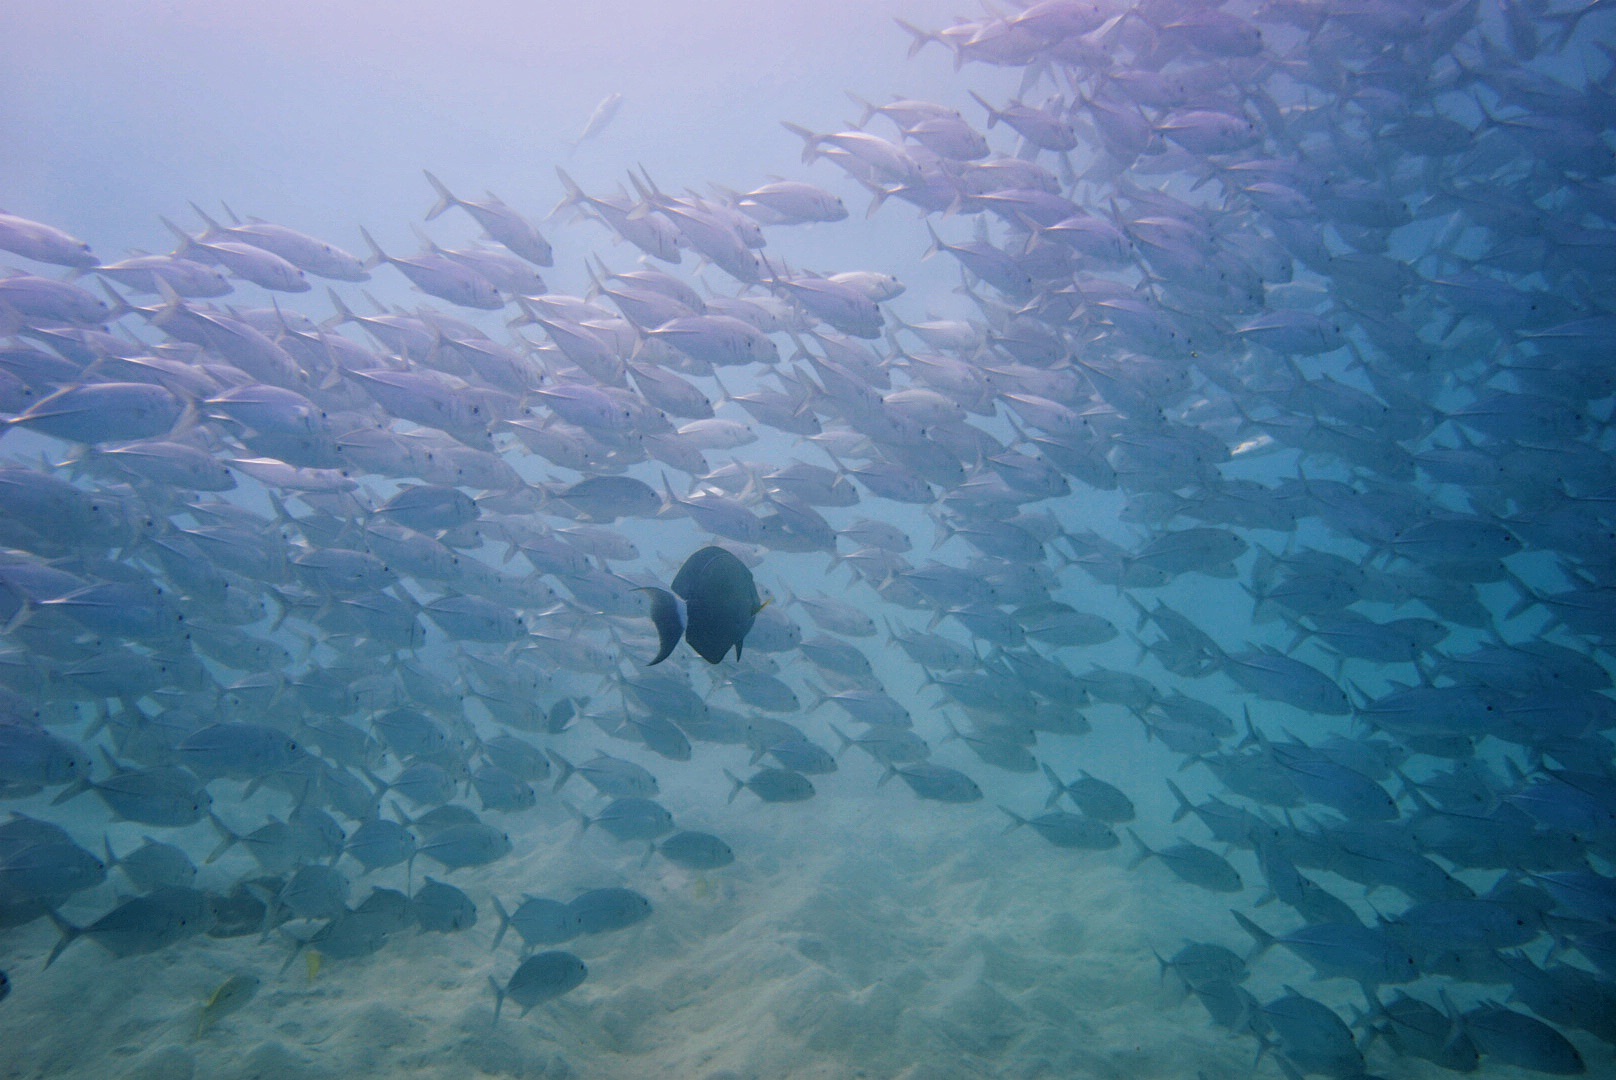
(668, 616)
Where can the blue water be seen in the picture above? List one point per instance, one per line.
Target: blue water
(864, 932)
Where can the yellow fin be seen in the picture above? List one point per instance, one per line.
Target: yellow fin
(231, 995)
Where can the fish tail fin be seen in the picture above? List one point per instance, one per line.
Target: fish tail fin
(297, 947)
(723, 391)
(737, 784)
(669, 499)
(1185, 807)
(271, 903)
(1253, 736)
(446, 198)
(1144, 852)
(567, 769)
(845, 741)
(869, 109)
(936, 243)
(381, 787)
(227, 839)
(994, 116)
(187, 244)
(645, 205)
(1016, 820)
(1263, 939)
(1163, 965)
(820, 695)
(596, 287)
(377, 255)
(426, 241)
(878, 198)
(891, 771)
(1412, 791)
(1528, 597)
(656, 195)
(1057, 787)
(1456, 1024)
(213, 227)
(810, 149)
(344, 312)
(504, 923)
(574, 197)
(919, 38)
(69, 932)
(499, 997)
(72, 790)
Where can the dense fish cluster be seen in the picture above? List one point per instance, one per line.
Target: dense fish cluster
(322, 594)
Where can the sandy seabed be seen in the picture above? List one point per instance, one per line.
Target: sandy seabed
(901, 939)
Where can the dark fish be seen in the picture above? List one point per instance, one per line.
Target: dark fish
(773, 785)
(500, 789)
(606, 498)
(165, 795)
(600, 911)
(442, 908)
(460, 846)
(1067, 830)
(631, 818)
(540, 978)
(1415, 1029)
(1312, 1038)
(1198, 964)
(50, 871)
(800, 755)
(696, 851)
(1347, 950)
(1196, 865)
(713, 604)
(1513, 1038)
(1093, 796)
(380, 842)
(140, 925)
(611, 776)
(936, 782)
(244, 909)
(538, 921)
(314, 892)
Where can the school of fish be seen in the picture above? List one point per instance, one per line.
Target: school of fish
(1317, 292)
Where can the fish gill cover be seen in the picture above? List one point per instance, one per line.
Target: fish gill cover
(1171, 439)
